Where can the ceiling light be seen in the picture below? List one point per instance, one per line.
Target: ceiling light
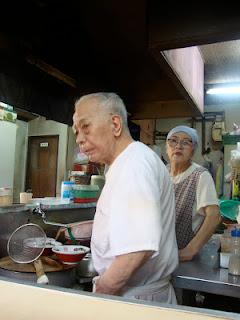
(224, 90)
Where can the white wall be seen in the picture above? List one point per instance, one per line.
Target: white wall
(20, 159)
(7, 153)
(40, 127)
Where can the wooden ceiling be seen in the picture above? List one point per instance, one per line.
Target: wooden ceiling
(69, 48)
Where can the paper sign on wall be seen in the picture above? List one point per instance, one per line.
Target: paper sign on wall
(44, 144)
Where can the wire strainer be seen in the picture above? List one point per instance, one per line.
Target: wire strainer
(19, 248)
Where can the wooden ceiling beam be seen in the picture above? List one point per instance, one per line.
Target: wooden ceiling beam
(54, 72)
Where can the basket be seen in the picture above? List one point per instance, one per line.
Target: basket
(80, 231)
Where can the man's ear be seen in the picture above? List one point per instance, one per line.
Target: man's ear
(116, 125)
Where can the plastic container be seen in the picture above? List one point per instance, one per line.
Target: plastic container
(98, 180)
(229, 209)
(209, 254)
(80, 231)
(224, 259)
(67, 190)
(6, 197)
(226, 241)
(85, 193)
(25, 197)
(234, 260)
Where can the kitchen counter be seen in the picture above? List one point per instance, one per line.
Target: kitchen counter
(21, 301)
(46, 206)
(195, 276)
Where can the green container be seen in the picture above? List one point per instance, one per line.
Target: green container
(85, 191)
(229, 209)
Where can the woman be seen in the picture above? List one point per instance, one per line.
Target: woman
(197, 209)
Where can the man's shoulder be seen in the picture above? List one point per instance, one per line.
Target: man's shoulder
(144, 157)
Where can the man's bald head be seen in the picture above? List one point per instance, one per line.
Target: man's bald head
(107, 102)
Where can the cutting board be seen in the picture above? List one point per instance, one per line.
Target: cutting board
(49, 265)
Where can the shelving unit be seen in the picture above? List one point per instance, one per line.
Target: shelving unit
(229, 139)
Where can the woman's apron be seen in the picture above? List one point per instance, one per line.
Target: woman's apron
(185, 195)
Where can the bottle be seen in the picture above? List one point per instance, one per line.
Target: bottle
(234, 260)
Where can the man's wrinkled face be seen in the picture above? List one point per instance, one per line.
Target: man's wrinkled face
(93, 131)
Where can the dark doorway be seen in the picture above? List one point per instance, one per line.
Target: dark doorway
(42, 166)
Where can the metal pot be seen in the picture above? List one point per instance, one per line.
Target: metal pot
(85, 267)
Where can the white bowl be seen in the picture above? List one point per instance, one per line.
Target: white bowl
(39, 243)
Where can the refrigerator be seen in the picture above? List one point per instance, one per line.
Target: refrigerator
(7, 153)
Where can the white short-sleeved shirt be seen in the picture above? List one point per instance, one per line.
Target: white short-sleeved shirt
(205, 194)
(135, 212)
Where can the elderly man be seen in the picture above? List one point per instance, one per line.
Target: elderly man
(133, 243)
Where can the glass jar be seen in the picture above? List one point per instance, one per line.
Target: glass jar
(234, 260)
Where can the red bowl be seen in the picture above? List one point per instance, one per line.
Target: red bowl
(70, 254)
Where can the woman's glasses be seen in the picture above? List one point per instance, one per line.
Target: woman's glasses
(183, 143)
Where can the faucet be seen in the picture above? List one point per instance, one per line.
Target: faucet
(38, 210)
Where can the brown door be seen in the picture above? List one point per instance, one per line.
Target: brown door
(42, 166)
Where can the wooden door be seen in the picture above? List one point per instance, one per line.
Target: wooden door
(41, 174)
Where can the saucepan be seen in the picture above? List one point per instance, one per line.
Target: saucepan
(85, 267)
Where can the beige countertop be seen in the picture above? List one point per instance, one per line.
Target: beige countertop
(27, 302)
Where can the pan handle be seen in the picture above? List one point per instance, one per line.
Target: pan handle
(41, 276)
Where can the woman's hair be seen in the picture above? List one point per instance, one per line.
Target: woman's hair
(192, 133)
(111, 102)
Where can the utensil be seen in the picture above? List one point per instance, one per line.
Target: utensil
(19, 250)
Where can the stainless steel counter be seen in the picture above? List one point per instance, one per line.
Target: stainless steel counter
(198, 277)
(49, 207)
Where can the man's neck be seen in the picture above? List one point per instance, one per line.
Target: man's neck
(121, 144)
